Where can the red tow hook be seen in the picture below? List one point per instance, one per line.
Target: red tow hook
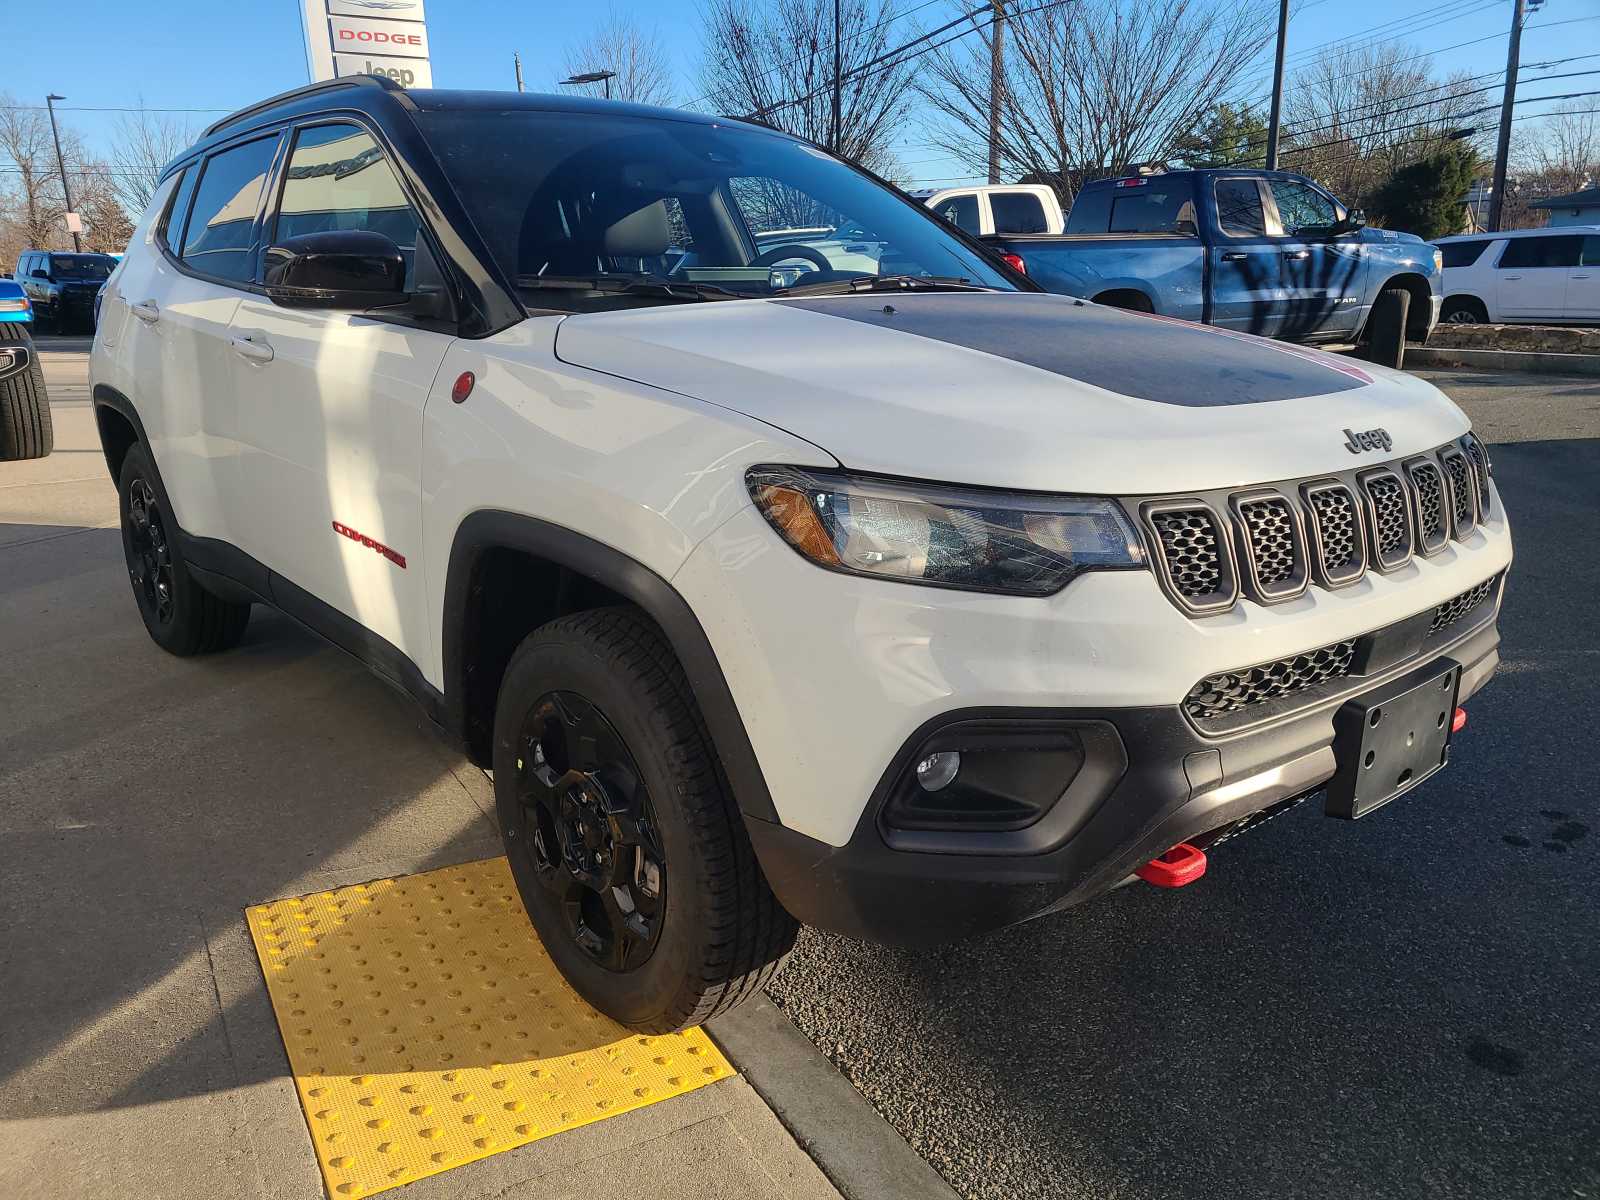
(1178, 867)
(1459, 721)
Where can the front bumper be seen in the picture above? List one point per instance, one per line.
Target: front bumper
(1155, 781)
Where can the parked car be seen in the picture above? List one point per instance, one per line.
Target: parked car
(997, 208)
(908, 602)
(1523, 276)
(25, 427)
(62, 286)
(1264, 252)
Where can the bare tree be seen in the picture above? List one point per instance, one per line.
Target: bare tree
(637, 54)
(1090, 86)
(1563, 151)
(1358, 114)
(142, 144)
(774, 60)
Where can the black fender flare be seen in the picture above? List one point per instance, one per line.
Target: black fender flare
(492, 529)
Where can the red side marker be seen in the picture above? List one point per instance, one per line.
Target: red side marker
(1459, 721)
(1178, 867)
(462, 388)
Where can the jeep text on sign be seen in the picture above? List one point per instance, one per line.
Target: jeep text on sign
(355, 35)
(407, 72)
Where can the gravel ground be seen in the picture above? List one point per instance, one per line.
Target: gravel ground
(1403, 1006)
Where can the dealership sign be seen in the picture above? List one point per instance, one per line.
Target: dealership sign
(367, 37)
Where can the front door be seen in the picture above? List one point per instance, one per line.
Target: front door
(331, 408)
(1531, 276)
(1322, 274)
(1246, 277)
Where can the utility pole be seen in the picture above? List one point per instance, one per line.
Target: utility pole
(997, 83)
(1502, 148)
(516, 63)
(838, 80)
(66, 192)
(1277, 87)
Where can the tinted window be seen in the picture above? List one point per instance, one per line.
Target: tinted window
(1239, 212)
(338, 179)
(1301, 207)
(81, 266)
(1542, 252)
(172, 223)
(1463, 254)
(960, 211)
(1017, 212)
(1091, 211)
(219, 236)
(1154, 208)
(1591, 252)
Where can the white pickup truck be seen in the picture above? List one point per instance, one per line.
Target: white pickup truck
(999, 208)
(907, 601)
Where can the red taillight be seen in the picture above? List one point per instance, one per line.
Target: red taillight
(1132, 182)
(1181, 865)
(1459, 721)
(1014, 261)
(463, 386)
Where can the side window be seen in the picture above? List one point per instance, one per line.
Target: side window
(338, 179)
(1154, 208)
(1017, 212)
(961, 211)
(171, 232)
(1462, 254)
(1301, 207)
(219, 236)
(1562, 251)
(1591, 252)
(1239, 211)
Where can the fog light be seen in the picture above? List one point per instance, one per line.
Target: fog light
(937, 770)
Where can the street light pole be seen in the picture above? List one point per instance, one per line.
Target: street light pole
(1502, 147)
(516, 65)
(1277, 87)
(61, 166)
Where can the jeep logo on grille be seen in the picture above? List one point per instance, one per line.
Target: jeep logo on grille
(1371, 439)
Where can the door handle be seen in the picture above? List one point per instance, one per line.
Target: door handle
(1511, 277)
(1234, 256)
(255, 351)
(1297, 254)
(147, 311)
(1585, 275)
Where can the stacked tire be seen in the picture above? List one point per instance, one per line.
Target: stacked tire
(25, 428)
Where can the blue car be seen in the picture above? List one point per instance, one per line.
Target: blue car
(25, 429)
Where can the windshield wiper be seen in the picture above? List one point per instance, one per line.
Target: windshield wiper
(612, 286)
(885, 283)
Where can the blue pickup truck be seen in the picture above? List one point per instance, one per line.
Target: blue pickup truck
(1264, 252)
(25, 430)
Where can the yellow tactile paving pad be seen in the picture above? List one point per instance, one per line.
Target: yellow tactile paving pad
(427, 1027)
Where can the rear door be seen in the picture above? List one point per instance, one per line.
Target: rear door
(1583, 282)
(1246, 272)
(1017, 213)
(1323, 276)
(1531, 276)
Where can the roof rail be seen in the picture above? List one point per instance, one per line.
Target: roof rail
(326, 85)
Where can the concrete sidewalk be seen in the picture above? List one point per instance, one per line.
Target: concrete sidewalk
(144, 801)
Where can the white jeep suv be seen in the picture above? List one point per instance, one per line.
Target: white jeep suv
(908, 601)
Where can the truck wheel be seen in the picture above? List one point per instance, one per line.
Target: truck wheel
(627, 847)
(182, 617)
(25, 427)
(1464, 310)
(1386, 328)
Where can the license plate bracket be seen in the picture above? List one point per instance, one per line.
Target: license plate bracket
(1389, 740)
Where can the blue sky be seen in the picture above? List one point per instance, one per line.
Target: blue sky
(202, 54)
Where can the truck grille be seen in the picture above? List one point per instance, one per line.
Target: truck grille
(1327, 531)
(1217, 695)
(1454, 609)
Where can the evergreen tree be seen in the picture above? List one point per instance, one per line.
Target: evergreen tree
(1425, 197)
(1227, 136)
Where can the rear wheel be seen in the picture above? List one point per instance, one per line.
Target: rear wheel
(182, 617)
(1386, 328)
(26, 430)
(627, 847)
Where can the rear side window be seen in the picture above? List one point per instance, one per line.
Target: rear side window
(1154, 208)
(1463, 254)
(1591, 252)
(1017, 212)
(178, 211)
(961, 211)
(1239, 211)
(220, 235)
(1561, 251)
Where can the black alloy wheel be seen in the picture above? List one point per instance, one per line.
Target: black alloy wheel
(148, 552)
(589, 829)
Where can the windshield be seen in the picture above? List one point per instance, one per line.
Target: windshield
(614, 200)
(80, 266)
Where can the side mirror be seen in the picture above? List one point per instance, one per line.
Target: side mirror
(350, 269)
(40, 273)
(1353, 220)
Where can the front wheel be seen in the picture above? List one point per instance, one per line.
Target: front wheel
(1386, 328)
(1464, 310)
(25, 427)
(628, 850)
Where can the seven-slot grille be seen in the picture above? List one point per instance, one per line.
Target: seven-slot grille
(1328, 531)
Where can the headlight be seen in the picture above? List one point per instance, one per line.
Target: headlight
(1438, 260)
(969, 538)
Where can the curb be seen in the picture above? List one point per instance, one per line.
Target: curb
(1540, 362)
(849, 1140)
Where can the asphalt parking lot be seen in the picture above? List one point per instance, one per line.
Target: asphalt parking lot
(1405, 1006)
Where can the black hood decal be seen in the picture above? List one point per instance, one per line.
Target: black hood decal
(1149, 358)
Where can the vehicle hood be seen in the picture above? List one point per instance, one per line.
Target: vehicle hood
(1019, 390)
